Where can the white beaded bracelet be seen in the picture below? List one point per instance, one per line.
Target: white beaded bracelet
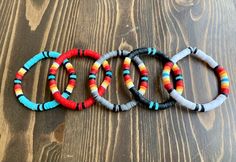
(222, 74)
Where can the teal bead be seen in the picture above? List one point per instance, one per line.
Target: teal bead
(156, 106)
(109, 73)
(149, 51)
(73, 76)
(92, 76)
(144, 78)
(126, 72)
(151, 105)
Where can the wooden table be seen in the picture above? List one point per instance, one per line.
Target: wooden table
(30, 26)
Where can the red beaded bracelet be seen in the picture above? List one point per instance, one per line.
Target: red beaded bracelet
(53, 84)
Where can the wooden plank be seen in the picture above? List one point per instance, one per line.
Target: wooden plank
(28, 27)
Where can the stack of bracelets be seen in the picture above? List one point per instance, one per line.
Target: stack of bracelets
(170, 64)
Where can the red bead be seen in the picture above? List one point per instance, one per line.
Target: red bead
(80, 106)
(180, 83)
(70, 71)
(168, 86)
(143, 83)
(170, 64)
(144, 72)
(72, 82)
(219, 69)
(52, 71)
(19, 76)
(17, 86)
(225, 90)
(107, 67)
(126, 66)
(51, 82)
(107, 78)
(177, 72)
(127, 77)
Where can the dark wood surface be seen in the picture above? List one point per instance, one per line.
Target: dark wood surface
(30, 26)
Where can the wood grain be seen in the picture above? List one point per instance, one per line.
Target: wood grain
(30, 26)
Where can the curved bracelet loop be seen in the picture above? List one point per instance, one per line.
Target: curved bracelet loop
(93, 87)
(53, 84)
(222, 75)
(129, 83)
(27, 66)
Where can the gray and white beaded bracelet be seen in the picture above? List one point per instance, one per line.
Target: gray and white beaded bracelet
(219, 70)
(93, 85)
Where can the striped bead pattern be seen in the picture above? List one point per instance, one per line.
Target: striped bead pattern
(27, 66)
(143, 78)
(224, 80)
(179, 84)
(219, 70)
(143, 86)
(53, 84)
(97, 92)
(93, 87)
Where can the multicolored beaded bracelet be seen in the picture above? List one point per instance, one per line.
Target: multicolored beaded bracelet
(94, 90)
(53, 84)
(129, 83)
(27, 66)
(222, 74)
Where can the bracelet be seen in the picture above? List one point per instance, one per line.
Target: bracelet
(53, 84)
(27, 66)
(94, 90)
(129, 83)
(219, 70)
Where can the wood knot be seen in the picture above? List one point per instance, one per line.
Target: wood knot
(59, 133)
(125, 46)
(185, 3)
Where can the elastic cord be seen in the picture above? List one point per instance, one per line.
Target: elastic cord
(93, 87)
(27, 66)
